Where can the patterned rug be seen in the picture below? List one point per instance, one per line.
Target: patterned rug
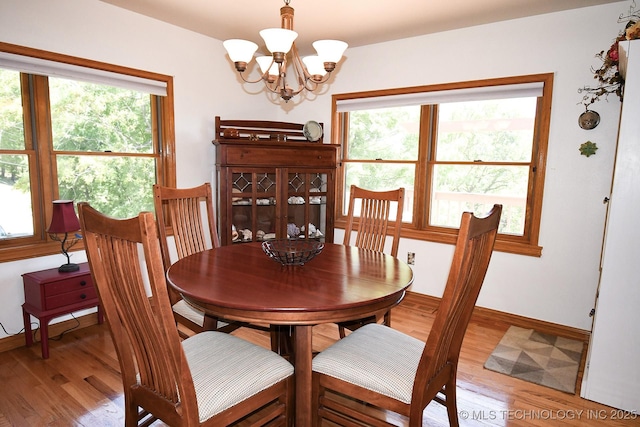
(539, 358)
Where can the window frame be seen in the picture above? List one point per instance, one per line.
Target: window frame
(42, 156)
(418, 229)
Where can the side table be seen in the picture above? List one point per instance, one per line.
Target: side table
(49, 294)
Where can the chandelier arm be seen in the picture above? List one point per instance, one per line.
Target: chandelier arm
(324, 79)
(297, 62)
(311, 85)
(309, 82)
(301, 71)
(272, 85)
(274, 89)
(262, 77)
(280, 86)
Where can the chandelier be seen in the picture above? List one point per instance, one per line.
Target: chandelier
(310, 71)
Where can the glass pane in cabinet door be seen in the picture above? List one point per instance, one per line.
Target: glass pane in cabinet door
(264, 227)
(241, 207)
(253, 202)
(307, 205)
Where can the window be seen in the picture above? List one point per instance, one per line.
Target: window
(454, 148)
(77, 130)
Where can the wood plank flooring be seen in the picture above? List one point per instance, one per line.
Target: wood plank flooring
(79, 385)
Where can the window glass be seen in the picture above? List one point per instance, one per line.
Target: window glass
(101, 120)
(16, 219)
(120, 187)
(495, 130)
(384, 133)
(11, 116)
(93, 117)
(381, 177)
(383, 151)
(470, 145)
(468, 188)
(470, 135)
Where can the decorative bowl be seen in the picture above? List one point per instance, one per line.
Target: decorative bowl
(291, 251)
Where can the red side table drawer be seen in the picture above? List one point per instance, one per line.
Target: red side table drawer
(71, 285)
(69, 298)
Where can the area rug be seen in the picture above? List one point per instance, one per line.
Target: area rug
(539, 358)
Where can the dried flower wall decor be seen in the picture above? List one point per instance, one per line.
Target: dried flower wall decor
(608, 75)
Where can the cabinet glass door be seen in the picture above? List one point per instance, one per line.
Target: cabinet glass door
(306, 205)
(253, 205)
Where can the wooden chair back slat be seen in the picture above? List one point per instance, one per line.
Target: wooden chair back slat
(373, 223)
(179, 213)
(472, 254)
(189, 232)
(151, 358)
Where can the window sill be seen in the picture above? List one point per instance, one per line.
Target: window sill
(507, 246)
(501, 245)
(34, 250)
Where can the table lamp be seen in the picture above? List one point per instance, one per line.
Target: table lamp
(64, 220)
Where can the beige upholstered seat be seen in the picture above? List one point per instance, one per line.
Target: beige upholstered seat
(396, 372)
(210, 379)
(373, 226)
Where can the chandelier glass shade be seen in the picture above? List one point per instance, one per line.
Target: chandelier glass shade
(310, 71)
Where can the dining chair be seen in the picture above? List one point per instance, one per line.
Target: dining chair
(179, 212)
(373, 227)
(209, 379)
(399, 373)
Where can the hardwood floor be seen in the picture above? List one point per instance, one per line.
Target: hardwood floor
(79, 385)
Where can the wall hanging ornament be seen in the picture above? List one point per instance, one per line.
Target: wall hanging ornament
(589, 119)
(588, 148)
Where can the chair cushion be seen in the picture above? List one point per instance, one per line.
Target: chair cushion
(185, 310)
(227, 370)
(374, 357)
(190, 313)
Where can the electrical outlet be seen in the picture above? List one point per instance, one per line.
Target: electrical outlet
(411, 258)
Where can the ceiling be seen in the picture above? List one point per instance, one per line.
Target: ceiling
(358, 22)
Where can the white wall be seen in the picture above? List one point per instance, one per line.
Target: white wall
(558, 287)
(203, 86)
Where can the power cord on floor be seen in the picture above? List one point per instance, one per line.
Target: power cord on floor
(76, 326)
(37, 328)
(10, 333)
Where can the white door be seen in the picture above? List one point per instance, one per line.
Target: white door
(612, 375)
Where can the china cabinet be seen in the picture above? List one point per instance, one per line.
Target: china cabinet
(273, 182)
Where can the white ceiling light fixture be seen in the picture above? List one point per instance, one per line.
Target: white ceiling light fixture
(311, 71)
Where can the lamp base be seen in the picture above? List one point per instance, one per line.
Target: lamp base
(68, 268)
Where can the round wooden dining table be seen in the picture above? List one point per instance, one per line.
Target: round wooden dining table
(240, 282)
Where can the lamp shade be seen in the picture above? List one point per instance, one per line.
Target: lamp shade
(278, 39)
(330, 50)
(240, 50)
(64, 218)
(314, 65)
(267, 63)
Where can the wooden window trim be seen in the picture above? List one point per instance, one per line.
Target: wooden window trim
(524, 245)
(43, 187)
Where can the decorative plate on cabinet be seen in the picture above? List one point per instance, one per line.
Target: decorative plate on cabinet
(312, 131)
